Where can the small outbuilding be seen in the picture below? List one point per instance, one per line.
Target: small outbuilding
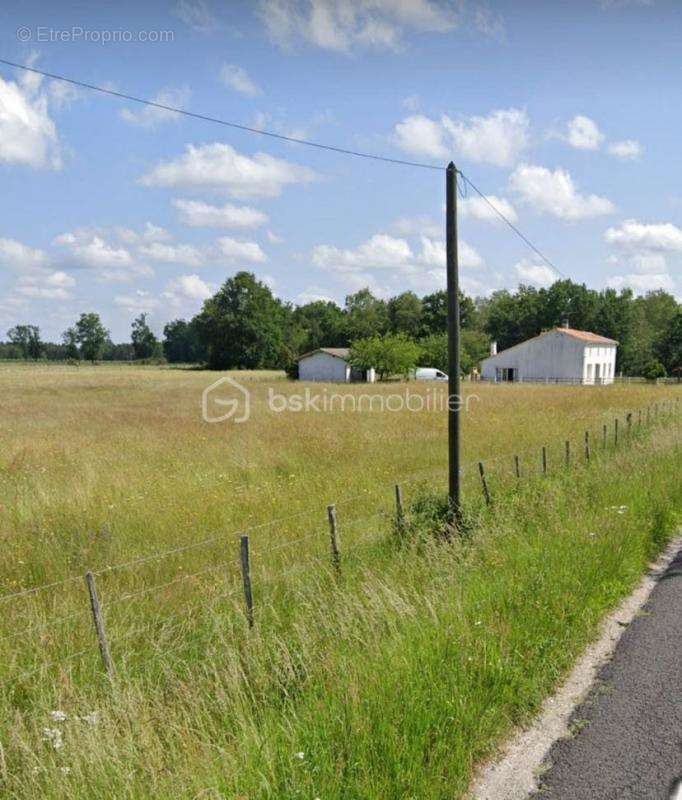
(331, 364)
(559, 355)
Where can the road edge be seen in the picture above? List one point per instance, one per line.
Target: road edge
(513, 774)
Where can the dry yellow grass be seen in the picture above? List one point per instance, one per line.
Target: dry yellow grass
(104, 465)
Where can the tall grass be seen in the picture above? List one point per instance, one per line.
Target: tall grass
(390, 680)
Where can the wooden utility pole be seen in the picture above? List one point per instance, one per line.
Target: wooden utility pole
(454, 393)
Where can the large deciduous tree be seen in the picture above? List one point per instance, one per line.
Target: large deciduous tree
(92, 336)
(145, 343)
(242, 325)
(27, 339)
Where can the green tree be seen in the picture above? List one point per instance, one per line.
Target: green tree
(474, 346)
(145, 343)
(435, 313)
(181, 344)
(669, 345)
(242, 325)
(365, 315)
(70, 340)
(654, 369)
(92, 336)
(27, 340)
(405, 314)
(323, 323)
(392, 354)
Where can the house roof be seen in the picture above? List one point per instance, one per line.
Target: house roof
(338, 352)
(587, 337)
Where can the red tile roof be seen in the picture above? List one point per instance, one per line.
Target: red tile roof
(586, 336)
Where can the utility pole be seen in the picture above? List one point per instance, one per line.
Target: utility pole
(454, 396)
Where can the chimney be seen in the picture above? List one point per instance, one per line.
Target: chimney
(564, 322)
(493, 348)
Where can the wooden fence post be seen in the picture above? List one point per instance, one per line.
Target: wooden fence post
(99, 625)
(399, 508)
(334, 537)
(246, 578)
(568, 453)
(639, 418)
(587, 445)
(517, 467)
(544, 460)
(484, 483)
(605, 435)
(615, 431)
(628, 419)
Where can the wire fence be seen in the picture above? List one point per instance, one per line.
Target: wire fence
(238, 576)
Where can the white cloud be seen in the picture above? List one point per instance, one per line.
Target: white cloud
(537, 274)
(332, 25)
(185, 254)
(90, 249)
(489, 22)
(138, 303)
(51, 286)
(313, 294)
(555, 193)
(235, 251)
(20, 257)
(420, 135)
(383, 252)
(642, 283)
(583, 133)
(433, 253)
(150, 116)
(237, 78)
(28, 135)
(633, 235)
(220, 166)
(196, 15)
(651, 263)
(419, 226)
(627, 149)
(497, 139)
(187, 292)
(202, 215)
(150, 233)
(477, 208)
(274, 238)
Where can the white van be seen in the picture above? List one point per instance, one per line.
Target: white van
(429, 374)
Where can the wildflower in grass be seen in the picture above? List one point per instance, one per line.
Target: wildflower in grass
(54, 737)
(300, 756)
(90, 719)
(59, 716)
(65, 770)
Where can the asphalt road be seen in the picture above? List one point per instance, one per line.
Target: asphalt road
(626, 741)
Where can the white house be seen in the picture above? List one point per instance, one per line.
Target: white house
(330, 364)
(559, 355)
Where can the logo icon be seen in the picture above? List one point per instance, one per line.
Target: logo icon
(226, 393)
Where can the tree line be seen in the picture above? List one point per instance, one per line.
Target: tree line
(245, 326)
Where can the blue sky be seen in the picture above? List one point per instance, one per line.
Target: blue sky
(567, 114)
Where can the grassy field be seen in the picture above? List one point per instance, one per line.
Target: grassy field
(390, 681)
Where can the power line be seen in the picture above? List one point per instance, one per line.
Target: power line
(281, 137)
(512, 226)
(206, 118)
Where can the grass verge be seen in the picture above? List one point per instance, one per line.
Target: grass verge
(390, 681)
